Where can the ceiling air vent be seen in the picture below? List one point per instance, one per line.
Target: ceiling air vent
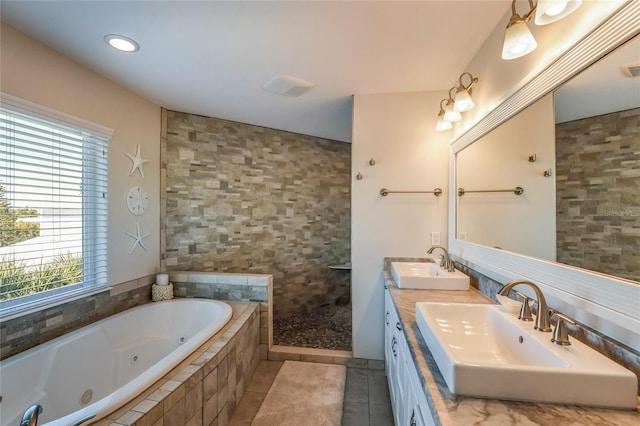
(632, 69)
(288, 86)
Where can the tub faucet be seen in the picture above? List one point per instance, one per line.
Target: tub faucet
(30, 417)
(446, 260)
(542, 319)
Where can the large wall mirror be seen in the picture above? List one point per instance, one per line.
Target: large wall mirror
(575, 154)
(533, 234)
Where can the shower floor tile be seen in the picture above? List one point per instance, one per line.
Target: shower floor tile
(328, 327)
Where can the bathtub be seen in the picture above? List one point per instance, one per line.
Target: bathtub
(100, 367)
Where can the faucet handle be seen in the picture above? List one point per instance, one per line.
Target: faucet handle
(30, 416)
(560, 335)
(525, 310)
(451, 267)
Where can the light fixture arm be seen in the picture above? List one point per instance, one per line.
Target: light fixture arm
(441, 107)
(473, 80)
(450, 100)
(524, 18)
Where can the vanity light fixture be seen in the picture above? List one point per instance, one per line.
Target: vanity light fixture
(442, 124)
(122, 43)
(518, 40)
(463, 101)
(549, 11)
(450, 114)
(456, 104)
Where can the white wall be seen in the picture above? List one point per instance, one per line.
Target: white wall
(397, 131)
(33, 72)
(499, 79)
(524, 223)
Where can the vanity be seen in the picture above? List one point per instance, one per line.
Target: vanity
(520, 178)
(419, 393)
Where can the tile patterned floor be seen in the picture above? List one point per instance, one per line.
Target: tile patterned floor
(328, 327)
(366, 395)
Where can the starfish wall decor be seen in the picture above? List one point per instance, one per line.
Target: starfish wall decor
(138, 238)
(137, 161)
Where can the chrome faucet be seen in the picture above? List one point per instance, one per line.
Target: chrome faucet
(30, 417)
(446, 260)
(542, 319)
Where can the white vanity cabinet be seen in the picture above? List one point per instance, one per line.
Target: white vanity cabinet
(407, 396)
(394, 348)
(418, 410)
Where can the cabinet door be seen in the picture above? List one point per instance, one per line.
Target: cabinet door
(394, 362)
(411, 416)
(388, 332)
(419, 412)
(408, 401)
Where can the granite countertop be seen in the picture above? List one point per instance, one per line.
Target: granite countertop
(449, 409)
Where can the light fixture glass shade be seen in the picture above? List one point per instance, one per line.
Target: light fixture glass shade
(443, 124)
(518, 41)
(549, 11)
(450, 115)
(463, 101)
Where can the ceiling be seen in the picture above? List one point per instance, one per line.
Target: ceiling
(602, 88)
(212, 57)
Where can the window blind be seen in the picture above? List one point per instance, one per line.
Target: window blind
(53, 210)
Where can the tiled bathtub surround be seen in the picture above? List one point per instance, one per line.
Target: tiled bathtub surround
(29, 330)
(598, 208)
(235, 287)
(244, 198)
(205, 388)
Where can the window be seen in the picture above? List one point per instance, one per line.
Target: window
(53, 206)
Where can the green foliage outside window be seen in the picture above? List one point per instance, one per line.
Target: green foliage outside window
(17, 279)
(12, 231)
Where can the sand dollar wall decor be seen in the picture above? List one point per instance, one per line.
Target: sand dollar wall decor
(137, 201)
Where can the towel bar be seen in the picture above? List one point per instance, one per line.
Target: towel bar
(384, 192)
(518, 190)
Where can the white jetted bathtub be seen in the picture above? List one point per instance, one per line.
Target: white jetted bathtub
(100, 367)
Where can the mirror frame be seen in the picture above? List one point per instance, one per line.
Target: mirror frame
(603, 302)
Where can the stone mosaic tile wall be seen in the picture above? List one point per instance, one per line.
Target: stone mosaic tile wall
(243, 198)
(598, 186)
(24, 332)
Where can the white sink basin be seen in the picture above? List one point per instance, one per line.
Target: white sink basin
(427, 276)
(484, 352)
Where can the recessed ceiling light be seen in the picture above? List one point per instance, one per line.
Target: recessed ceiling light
(122, 43)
